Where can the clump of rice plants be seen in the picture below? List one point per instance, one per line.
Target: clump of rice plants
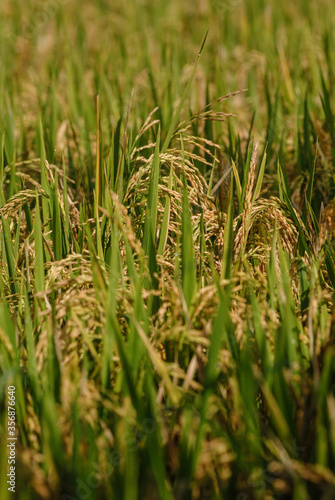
(167, 257)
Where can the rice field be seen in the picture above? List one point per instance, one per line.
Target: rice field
(167, 261)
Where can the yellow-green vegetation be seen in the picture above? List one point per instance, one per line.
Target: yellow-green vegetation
(167, 266)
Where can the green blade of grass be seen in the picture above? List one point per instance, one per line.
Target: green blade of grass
(44, 180)
(31, 356)
(189, 278)
(262, 342)
(2, 161)
(246, 172)
(56, 222)
(39, 254)
(12, 271)
(150, 222)
(228, 237)
(166, 218)
(109, 339)
(9, 136)
(238, 187)
(8, 328)
(302, 233)
(259, 179)
(67, 233)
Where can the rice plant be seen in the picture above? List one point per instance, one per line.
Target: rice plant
(167, 255)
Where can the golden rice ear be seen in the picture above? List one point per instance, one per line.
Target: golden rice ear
(247, 203)
(327, 226)
(328, 219)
